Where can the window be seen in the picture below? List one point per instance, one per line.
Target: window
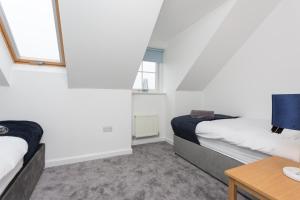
(147, 76)
(32, 31)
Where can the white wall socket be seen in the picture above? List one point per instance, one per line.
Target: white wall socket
(107, 129)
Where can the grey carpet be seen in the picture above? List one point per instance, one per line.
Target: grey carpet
(152, 172)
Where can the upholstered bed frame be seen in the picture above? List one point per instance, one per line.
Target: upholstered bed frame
(22, 186)
(210, 161)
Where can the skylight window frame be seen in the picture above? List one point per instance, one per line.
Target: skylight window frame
(12, 47)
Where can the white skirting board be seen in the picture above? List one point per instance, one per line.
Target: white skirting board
(108, 154)
(152, 140)
(87, 157)
(170, 141)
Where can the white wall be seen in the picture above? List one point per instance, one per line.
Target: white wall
(177, 15)
(5, 64)
(268, 63)
(185, 101)
(71, 118)
(184, 49)
(238, 24)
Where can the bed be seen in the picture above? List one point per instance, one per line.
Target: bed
(22, 159)
(226, 142)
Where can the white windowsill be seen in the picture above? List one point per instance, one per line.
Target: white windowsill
(147, 93)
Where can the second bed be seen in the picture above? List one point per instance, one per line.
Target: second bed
(217, 145)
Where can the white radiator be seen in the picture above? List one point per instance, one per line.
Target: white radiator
(145, 125)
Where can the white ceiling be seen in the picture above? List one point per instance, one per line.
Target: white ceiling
(5, 64)
(105, 40)
(177, 15)
(235, 30)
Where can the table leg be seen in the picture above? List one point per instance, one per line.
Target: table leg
(232, 190)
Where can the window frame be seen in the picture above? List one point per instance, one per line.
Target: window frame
(12, 47)
(157, 82)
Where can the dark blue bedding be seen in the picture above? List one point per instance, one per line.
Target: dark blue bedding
(185, 126)
(31, 132)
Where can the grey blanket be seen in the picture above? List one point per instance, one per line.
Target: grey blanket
(3, 130)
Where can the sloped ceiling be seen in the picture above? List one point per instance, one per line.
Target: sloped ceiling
(240, 23)
(3, 80)
(184, 49)
(105, 40)
(5, 63)
(178, 15)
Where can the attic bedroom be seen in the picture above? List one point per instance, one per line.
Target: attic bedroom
(149, 100)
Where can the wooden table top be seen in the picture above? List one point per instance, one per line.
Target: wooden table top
(265, 177)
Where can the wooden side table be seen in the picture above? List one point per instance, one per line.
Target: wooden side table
(264, 179)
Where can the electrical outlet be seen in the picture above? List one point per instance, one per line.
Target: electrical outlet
(107, 129)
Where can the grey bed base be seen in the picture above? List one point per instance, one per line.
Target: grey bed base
(209, 161)
(22, 186)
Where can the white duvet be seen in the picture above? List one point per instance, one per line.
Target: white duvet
(253, 134)
(12, 151)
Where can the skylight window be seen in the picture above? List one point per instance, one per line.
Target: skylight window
(32, 31)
